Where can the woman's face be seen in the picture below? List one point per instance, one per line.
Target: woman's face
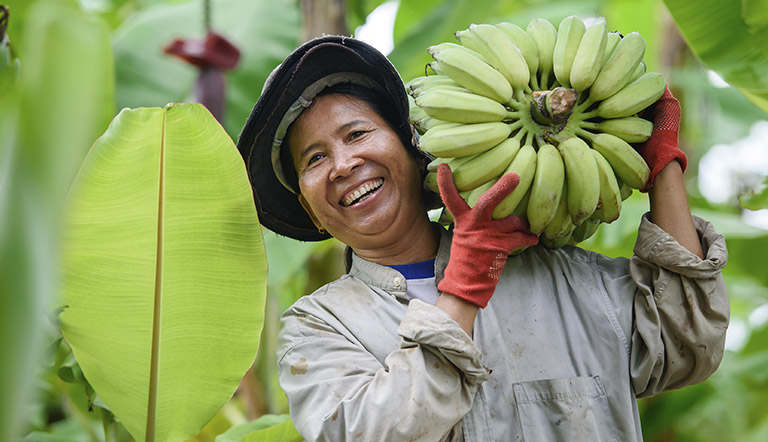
(356, 179)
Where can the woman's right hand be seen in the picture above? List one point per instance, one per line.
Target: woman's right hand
(480, 245)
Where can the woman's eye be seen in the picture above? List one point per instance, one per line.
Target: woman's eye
(313, 158)
(357, 134)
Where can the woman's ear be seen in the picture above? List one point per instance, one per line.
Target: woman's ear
(311, 214)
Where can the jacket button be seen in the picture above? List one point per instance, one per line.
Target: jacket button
(398, 281)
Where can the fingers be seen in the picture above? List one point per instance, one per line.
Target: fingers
(448, 191)
(493, 196)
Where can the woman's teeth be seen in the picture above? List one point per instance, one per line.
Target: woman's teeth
(362, 192)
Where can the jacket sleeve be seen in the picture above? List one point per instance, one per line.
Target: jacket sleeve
(681, 309)
(339, 391)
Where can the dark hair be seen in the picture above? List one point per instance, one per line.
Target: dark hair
(380, 103)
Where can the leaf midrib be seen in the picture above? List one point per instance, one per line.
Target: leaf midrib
(155, 352)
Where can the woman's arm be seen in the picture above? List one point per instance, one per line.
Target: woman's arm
(669, 208)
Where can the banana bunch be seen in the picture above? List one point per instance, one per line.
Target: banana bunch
(556, 105)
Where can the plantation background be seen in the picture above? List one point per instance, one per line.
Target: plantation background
(44, 139)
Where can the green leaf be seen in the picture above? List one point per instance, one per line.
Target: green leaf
(267, 428)
(62, 101)
(755, 200)
(729, 38)
(164, 271)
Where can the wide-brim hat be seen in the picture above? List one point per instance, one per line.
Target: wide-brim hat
(290, 88)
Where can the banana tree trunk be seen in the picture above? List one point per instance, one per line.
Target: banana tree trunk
(323, 17)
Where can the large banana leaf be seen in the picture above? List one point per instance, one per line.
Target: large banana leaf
(164, 271)
(62, 101)
(731, 38)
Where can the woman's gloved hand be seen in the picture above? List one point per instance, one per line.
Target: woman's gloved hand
(662, 147)
(480, 245)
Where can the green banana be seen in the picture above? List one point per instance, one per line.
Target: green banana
(501, 53)
(428, 81)
(633, 98)
(461, 107)
(619, 68)
(625, 190)
(610, 194)
(474, 74)
(582, 178)
(630, 129)
(449, 45)
(639, 71)
(463, 140)
(569, 35)
(628, 165)
(612, 40)
(527, 46)
(561, 224)
(524, 164)
(453, 162)
(430, 182)
(555, 243)
(544, 34)
(546, 189)
(486, 166)
(585, 230)
(421, 91)
(477, 192)
(589, 56)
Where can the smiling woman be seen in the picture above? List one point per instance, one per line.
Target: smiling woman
(402, 347)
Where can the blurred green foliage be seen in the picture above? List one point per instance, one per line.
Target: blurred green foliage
(75, 98)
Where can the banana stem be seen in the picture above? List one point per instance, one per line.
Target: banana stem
(516, 125)
(584, 104)
(589, 125)
(586, 134)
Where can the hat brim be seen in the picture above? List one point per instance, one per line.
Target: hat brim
(278, 208)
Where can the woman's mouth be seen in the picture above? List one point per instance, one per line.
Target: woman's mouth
(362, 193)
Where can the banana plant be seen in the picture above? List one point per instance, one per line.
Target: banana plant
(731, 38)
(163, 270)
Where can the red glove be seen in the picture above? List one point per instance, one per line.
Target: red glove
(480, 245)
(662, 148)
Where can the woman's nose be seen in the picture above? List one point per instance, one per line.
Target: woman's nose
(344, 163)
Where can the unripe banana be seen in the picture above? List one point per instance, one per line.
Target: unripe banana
(630, 129)
(633, 98)
(501, 53)
(466, 139)
(561, 224)
(426, 123)
(612, 40)
(461, 107)
(544, 34)
(546, 189)
(619, 68)
(589, 56)
(556, 243)
(524, 164)
(628, 165)
(453, 162)
(527, 46)
(474, 74)
(569, 35)
(427, 81)
(430, 182)
(423, 90)
(610, 193)
(486, 166)
(582, 178)
(639, 71)
(626, 191)
(585, 230)
(477, 192)
(432, 50)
